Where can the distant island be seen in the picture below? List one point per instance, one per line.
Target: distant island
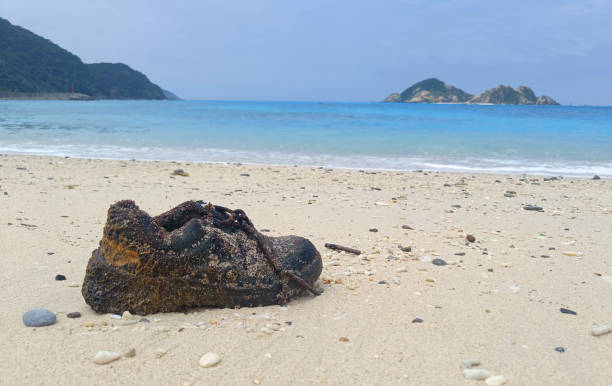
(32, 67)
(433, 90)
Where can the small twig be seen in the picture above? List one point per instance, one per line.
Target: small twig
(337, 247)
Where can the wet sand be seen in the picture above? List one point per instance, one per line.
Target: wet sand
(498, 299)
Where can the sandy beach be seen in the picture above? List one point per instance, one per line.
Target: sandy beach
(497, 299)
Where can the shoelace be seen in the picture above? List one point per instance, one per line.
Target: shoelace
(239, 219)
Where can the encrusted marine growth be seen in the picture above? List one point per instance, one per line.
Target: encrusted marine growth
(194, 255)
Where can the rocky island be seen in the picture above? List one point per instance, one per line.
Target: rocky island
(32, 67)
(433, 90)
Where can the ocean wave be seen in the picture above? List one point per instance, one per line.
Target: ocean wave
(371, 162)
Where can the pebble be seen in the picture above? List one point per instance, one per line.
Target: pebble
(401, 269)
(130, 353)
(510, 193)
(406, 249)
(478, 374)
(38, 317)
(560, 349)
(343, 339)
(533, 208)
(601, 330)
(180, 172)
(60, 277)
(417, 320)
(103, 357)
(407, 227)
(438, 262)
(209, 360)
(373, 230)
(567, 311)
(496, 380)
(74, 315)
(470, 238)
(127, 316)
(596, 177)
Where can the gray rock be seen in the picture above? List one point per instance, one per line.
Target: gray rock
(438, 262)
(38, 317)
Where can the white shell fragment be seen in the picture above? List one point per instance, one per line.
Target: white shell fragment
(104, 357)
(209, 360)
(601, 330)
(477, 374)
(496, 380)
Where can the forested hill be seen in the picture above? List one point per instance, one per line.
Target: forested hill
(32, 64)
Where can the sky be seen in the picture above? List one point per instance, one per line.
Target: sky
(338, 50)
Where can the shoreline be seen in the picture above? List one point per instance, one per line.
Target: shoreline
(452, 169)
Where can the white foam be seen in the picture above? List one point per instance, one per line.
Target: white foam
(371, 162)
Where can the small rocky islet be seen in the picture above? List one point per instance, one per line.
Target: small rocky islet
(433, 90)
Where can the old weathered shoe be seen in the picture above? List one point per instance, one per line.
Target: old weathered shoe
(194, 255)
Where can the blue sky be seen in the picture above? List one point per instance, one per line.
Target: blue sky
(338, 50)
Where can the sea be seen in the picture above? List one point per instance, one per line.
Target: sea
(533, 140)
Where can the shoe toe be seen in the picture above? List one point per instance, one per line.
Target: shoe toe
(299, 255)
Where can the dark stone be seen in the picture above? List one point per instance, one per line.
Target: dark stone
(59, 277)
(567, 311)
(417, 320)
(596, 177)
(533, 208)
(407, 227)
(470, 238)
(38, 317)
(50, 253)
(74, 315)
(447, 185)
(406, 249)
(560, 349)
(195, 255)
(545, 256)
(382, 282)
(460, 254)
(288, 323)
(438, 262)
(373, 230)
(245, 175)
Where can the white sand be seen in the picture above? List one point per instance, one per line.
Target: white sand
(501, 307)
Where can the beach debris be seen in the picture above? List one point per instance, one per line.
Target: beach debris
(408, 227)
(533, 208)
(373, 230)
(560, 349)
(125, 273)
(567, 311)
(496, 380)
(417, 320)
(180, 172)
(160, 352)
(103, 357)
(337, 247)
(381, 203)
(510, 194)
(470, 238)
(131, 353)
(209, 360)
(60, 277)
(601, 330)
(405, 249)
(343, 339)
(439, 262)
(73, 315)
(38, 317)
(596, 177)
(468, 364)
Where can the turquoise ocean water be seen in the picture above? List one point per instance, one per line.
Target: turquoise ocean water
(553, 140)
